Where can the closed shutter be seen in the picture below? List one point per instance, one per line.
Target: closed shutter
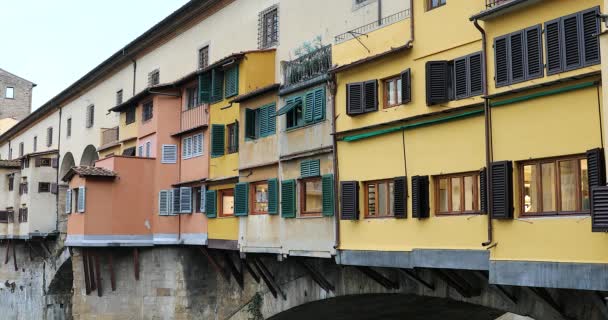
(185, 142)
(370, 96)
(211, 203)
(437, 82)
(420, 197)
(461, 85)
(185, 194)
(232, 81)
(599, 209)
(553, 46)
(400, 197)
(534, 52)
(406, 86)
(149, 149)
(163, 202)
(319, 109)
(309, 105)
(140, 151)
(89, 116)
(501, 61)
(169, 153)
(54, 188)
(175, 201)
(596, 168)
(501, 179)
(476, 74)
(68, 201)
(327, 186)
(349, 199)
(517, 57)
(203, 206)
(310, 168)
(590, 32)
(204, 87)
(288, 199)
(354, 104)
(263, 121)
(217, 140)
(571, 42)
(55, 163)
(483, 190)
(273, 196)
(241, 199)
(81, 199)
(272, 119)
(217, 85)
(250, 124)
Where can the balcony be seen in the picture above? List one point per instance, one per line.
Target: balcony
(494, 3)
(194, 118)
(308, 66)
(109, 137)
(401, 15)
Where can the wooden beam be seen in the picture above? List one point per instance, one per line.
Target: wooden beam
(544, 296)
(457, 283)
(270, 277)
(252, 272)
(136, 263)
(98, 275)
(316, 276)
(600, 302)
(265, 278)
(43, 245)
(15, 257)
(379, 278)
(111, 267)
(238, 275)
(8, 249)
(214, 263)
(85, 267)
(92, 270)
(413, 275)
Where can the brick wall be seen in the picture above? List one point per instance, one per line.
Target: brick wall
(20, 106)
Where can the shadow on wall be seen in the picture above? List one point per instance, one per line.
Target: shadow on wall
(89, 156)
(66, 164)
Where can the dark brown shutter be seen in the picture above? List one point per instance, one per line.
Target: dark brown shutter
(55, 163)
(406, 86)
(599, 209)
(501, 174)
(596, 168)
(54, 188)
(501, 61)
(591, 29)
(437, 81)
(534, 52)
(461, 86)
(349, 199)
(400, 197)
(553, 46)
(370, 97)
(572, 50)
(420, 197)
(476, 74)
(37, 162)
(517, 57)
(483, 190)
(354, 93)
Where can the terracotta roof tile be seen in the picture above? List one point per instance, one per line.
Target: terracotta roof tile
(88, 171)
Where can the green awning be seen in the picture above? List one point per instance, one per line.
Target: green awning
(289, 106)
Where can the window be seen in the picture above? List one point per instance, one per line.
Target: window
(11, 182)
(233, 137)
(232, 81)
(49, 136)
(311, 197)
(259, 197)
(147, 111)
(153, 78)
(90, 116)
(192, 96)
(199, 199)
(217, 140)
(80, 199)
(268, 30)
(379, 198)
(21, 151)
(458, 193)
(362, 97)
(211, 86)
(9, 93)
(35, 147)
(518, 56)
(148, 149)
(192, 146)
(23, 188)
(392, 92)
(295, 116)
(203, 57)
(169, 154)
(69, 127)
(432, 4)
(119, 97)
(306, 109)
(43, 162)
(555, 186)
(130, 116)
(260, 122)
(457, 79)
(44, 187)
(22, 217)
(226, 202)
(140, 151)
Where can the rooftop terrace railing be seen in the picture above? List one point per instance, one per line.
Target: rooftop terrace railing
(494, 3)
(307, 67)
(401, 15)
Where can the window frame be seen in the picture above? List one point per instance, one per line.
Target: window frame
(45, 185)
(252, 200)
(264, 32)
(203, 60)
(49, 136)
(130, 115)
(302, 193)
(90, 116)
(232, 138)
(385, 94)
(191, 98)
(476, 194)
(69, 127)
(119, 97)
(147, 105)
(221, 193)
(366, 185)
(429, 4)
(154, 77)
(557, 179)
(6, 91)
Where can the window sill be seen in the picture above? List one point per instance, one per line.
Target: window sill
(457, 214)
(193, 157)
(304, 125)
(553, 215)
(311, 216)
(379, 218)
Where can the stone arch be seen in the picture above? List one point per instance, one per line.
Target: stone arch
(89, 156)
(66, 164)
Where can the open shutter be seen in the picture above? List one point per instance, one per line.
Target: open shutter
(319, 110)
(596, 168)
(217, 85)
(250, 122)
(288, 199)
(68, 201)
(406, 86)
(476, 74)
(370, 96)
(437, 81)
(501, 179)
(327, 185)
(534, 52)
(54, 188)
(483, 190)
(169, 153)
(349, 199)
(309, 106)
(590, 31)
(175, 201)
(203, 207)
(204, 87)
(272, 119)
(400, 197)
(571, 41)
(263, 121)
(185, 194)
(501, 61)
(163, 202)
(273, 196)
(55, 163)
(211, 203)
(461, 72)
(232, 81)
(81, 199)
(241, 199)
(599, 209)
(517, 57)
(354, 105)
(217, 140)
(553, 44)
(420, 197)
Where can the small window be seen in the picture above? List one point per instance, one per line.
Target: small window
(268, 32)
(69, 127)
(192, 96)
(295, 116)
(35, 146)
(140, 151)
(432, 4)
(11, 182)
(130, 116)
(226, 202)
(119, 97)
(457, 194)
(147, 111)
(192, 146)
(311, 197)
(153, 78)
(49, 136)
(259, 197)
(10, 93)
(44, 187)
(148, 149)
(392, 92)
(379, 199)
(21, 149)
(260, 122)
(169, 153)
(90, 116)
(203, 57)
(233, 137)
(43, 162)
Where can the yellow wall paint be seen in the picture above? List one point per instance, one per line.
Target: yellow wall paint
(128, 131)
(222, 228)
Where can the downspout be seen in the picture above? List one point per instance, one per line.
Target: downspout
(411, 22)
(379, 12)
(331, 84)
(134, 74)
(488, 133)
(58, 166)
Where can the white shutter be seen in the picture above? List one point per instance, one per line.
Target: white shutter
(81, 199)
(68, 201)
(140, 151)
(169, 153)
(148, 149)
(185, 200)
(203, 192)
(163, 203)
(197, 145)
(184, 148)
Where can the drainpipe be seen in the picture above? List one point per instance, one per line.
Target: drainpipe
(488, 133)
(134, 74)
(58, 167)
(379, 12)
(411, 22)
(331, 84)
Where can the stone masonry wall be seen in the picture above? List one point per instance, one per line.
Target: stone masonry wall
(20, 106)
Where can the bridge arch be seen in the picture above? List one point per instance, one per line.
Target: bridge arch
(66, 164)
(89, 156)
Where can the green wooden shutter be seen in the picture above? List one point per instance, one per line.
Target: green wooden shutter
(204, 87)
(263, 121)
(250, 124)
(319, 109)
(272, 119)
(232, 81)
(217, 140)
(210, 203)
(217, 85)
(327, 185)
(310, 168)
(288, 199)
(241, 199)
(309, 106)
(273, 196)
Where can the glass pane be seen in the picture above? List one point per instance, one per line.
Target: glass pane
(567, 185)
(548, 181)
(313, 196)
(382, 199)
(261, 198)
(391, 195)
(468, 194)
(530, 188)
(443, 195)
(390, 92)
(456, 206)
(371, 199)
(399, 90)
(227, 204)
(584, 186)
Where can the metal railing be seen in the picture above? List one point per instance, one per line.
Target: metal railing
(109, 136)
(307, 67)
(194, 117)
(494, 3)
(401, 15)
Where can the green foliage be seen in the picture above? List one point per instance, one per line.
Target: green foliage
(254, 307)
(309, 46)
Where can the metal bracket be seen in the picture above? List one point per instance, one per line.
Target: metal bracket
(356, 36)
(252, 272)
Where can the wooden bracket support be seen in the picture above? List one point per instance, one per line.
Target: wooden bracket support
(85, 268)
(8, 249)
(544, 296)
(111, 268)
(252, 272)
(268, 278)
(238, 275)
(413, 275)
(500, 290)
(15, 257)
(136, 263)
(600, 302)
(90, 255)
(44, 246)
(462, 286)
(214, 263)
(98, 274)
(316, 276)
(379, 278)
